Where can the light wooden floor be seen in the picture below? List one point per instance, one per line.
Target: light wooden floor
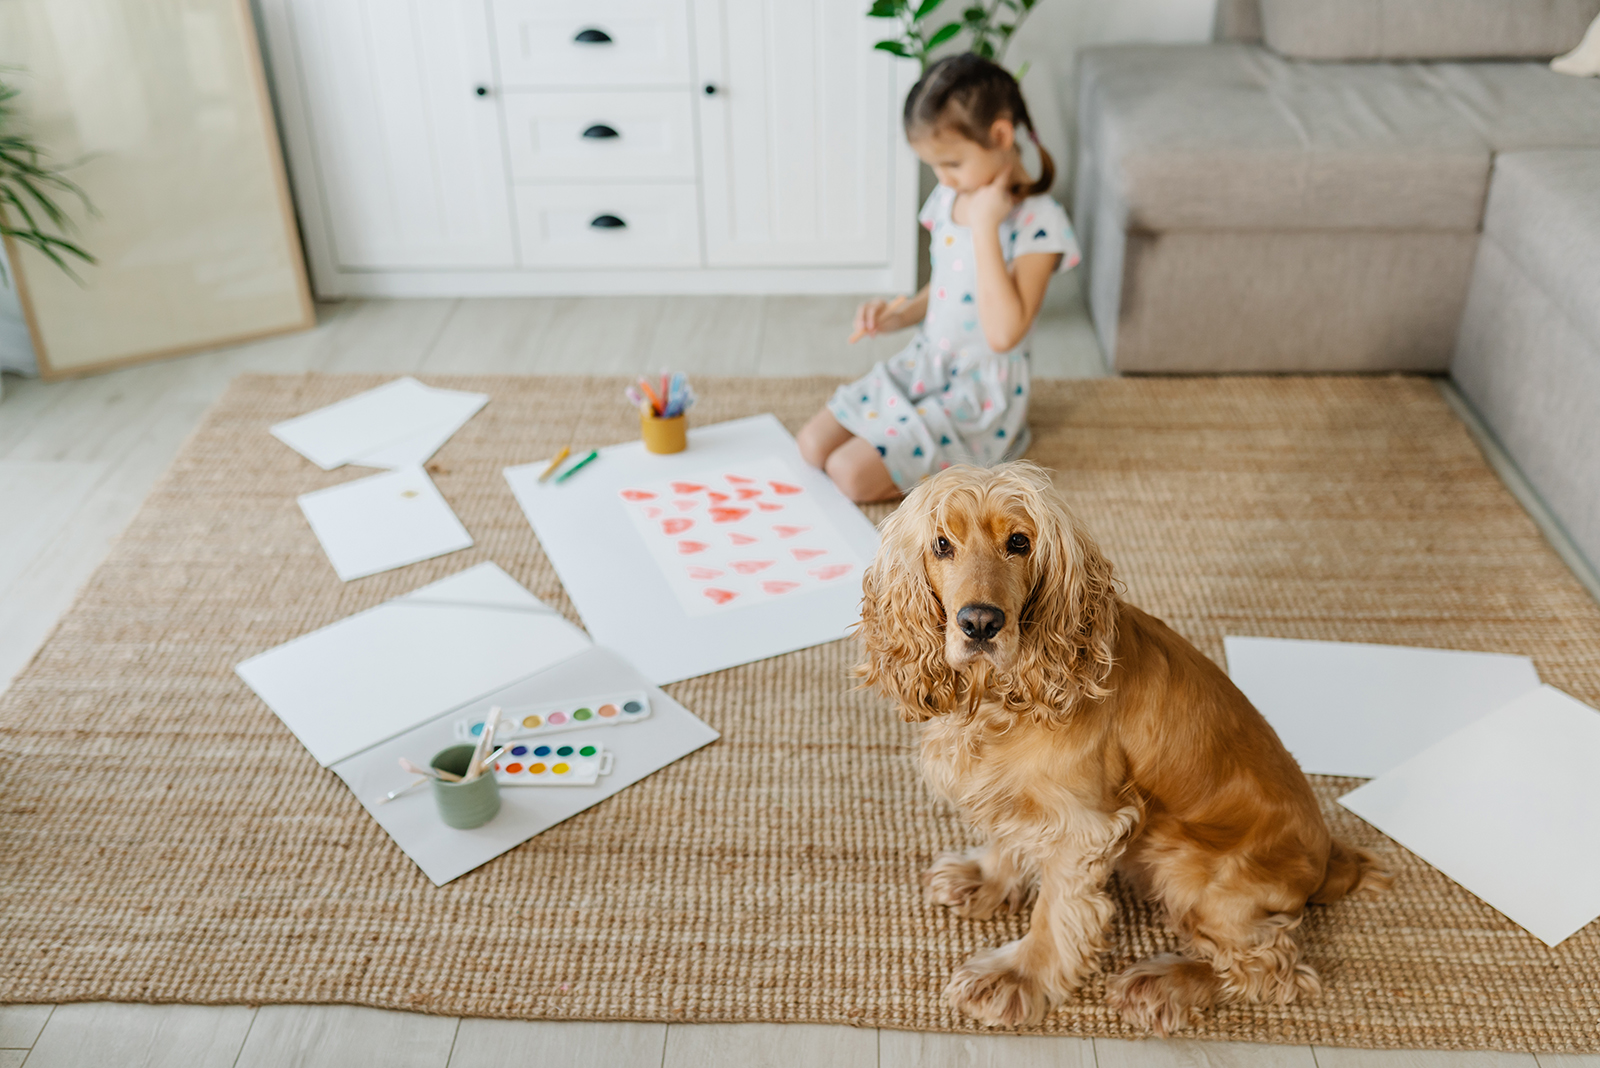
(76, 459)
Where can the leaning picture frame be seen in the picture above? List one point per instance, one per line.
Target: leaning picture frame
(162, 116)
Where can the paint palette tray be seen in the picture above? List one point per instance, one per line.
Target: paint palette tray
(552, 765)
(534, 721)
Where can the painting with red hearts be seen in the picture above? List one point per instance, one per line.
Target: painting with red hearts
(735, 536)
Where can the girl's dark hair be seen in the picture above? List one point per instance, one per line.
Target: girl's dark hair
(967, 94)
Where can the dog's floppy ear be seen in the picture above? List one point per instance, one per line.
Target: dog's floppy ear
(902, 621)
(1069, 625)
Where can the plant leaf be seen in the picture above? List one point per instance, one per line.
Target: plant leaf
(895, 47)
(883, 9)
(944, 33)
(925, 9)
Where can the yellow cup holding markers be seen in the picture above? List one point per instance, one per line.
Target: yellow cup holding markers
(664, 435)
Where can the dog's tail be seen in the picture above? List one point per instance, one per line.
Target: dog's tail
(1350, 869)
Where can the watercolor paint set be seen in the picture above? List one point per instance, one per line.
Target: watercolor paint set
(552, 765)
(534, 721)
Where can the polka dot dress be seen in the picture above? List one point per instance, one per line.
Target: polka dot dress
(946, 398)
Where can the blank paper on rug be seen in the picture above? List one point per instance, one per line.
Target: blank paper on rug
(385, 521)
(731, 551)
(1508, 807)
(397, 424)
(381, 672)
(1347, 708)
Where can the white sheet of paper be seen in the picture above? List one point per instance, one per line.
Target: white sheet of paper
(616, 580)
(1345, 708)
(1509, 807)
(639, 749)
(382, 672)
(395, 421)
(739, 534)
(389, 520)
(417, 449)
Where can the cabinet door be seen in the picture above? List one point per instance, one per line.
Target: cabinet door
(797, 134)
(410, 155)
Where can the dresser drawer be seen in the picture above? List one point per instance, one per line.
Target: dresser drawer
(564, 136)
(596, 42)
(578, 225)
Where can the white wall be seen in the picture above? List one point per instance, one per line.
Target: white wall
(1049, 42)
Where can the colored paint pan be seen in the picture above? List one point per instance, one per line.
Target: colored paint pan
(534, 721)
(552, 765)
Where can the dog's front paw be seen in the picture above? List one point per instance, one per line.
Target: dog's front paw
(991, 990)
(957, 881)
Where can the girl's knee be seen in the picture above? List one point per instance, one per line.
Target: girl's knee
(812, 448)
(859, 476)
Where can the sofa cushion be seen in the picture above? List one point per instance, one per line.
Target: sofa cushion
(1232, 136)
(1425, 29)
(1519, 106)
(1544, 212)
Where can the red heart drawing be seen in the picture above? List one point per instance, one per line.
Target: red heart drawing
(686, 487)
(789, 532)
(687, 547)
(728, 515)
(750, 567)
(776, 586)
(745, 493)
(768, 506)
(638, 495)
(739, 481)
(685, 505)
(808, 554)
(784, 488)
(717, 498)
(651, 513)
(832, 571)
(704, 574)
(742, 539)
(677, 525)
(719, 596)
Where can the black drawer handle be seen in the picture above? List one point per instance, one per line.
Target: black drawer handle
(600, 132)
(607, 222)
(592, 36)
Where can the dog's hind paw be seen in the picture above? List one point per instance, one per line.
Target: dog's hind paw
(957, 881)
(1164, 993)
(995, 994)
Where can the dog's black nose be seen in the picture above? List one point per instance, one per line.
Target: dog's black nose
(980, 622)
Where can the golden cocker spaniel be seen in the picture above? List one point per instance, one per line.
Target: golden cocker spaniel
(1081, 736)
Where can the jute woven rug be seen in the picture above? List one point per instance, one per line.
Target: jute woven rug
(164, 838)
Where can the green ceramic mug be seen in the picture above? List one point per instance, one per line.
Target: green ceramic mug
(464, 805)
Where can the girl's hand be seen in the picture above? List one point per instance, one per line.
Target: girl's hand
(988, 205)
(877, 316)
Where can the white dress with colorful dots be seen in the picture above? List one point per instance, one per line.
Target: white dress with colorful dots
(946, 398)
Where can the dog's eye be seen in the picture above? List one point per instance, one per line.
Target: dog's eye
(1017, 544)
(942, 547)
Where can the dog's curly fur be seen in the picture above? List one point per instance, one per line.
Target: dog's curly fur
(1083, 737)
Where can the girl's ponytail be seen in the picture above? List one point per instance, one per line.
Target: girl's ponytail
(967, 93)
(1047, 169)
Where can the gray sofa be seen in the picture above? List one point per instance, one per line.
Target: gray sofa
(1334, 186)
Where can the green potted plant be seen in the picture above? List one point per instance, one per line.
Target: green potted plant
(990, 24)
(30, 215)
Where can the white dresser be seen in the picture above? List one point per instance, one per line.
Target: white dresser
(505, 147)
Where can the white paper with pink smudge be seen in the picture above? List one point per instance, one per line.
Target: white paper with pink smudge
(729, 537)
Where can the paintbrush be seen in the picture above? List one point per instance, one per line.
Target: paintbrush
(432, 773)
(392, 794)
(859, 334)
(485, 740)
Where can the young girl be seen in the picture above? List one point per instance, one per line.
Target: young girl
(958, 393)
